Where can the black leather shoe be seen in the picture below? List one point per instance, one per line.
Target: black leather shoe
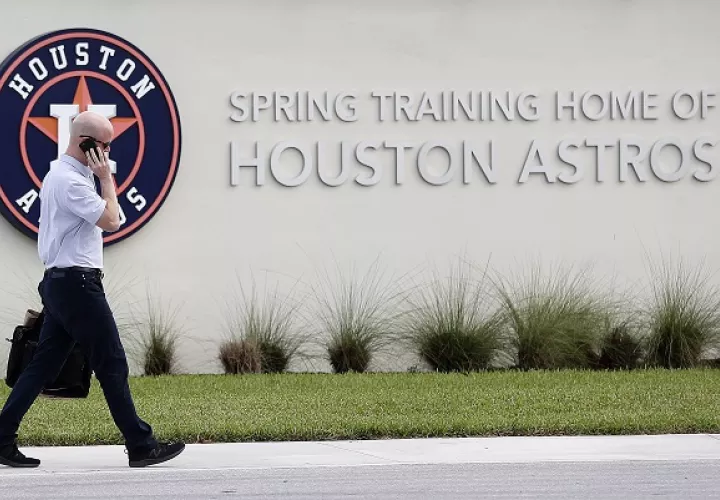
(10, 455)
(161, 453)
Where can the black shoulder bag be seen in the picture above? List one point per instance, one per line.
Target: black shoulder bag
(72, 382)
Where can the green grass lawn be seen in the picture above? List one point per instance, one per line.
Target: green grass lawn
(202, 408)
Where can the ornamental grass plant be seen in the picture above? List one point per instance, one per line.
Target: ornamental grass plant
(354, 315)
(154, 335)
(554, 319)
(261, 332)
(681, 316)
(451, 324)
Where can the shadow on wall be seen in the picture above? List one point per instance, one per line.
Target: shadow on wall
(459, 317)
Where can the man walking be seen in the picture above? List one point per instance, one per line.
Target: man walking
(72, 217)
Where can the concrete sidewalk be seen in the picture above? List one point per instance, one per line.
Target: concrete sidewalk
(493, 450)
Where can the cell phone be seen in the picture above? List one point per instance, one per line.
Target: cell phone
(87, 145)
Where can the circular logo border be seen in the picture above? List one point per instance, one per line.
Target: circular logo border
(15, 58)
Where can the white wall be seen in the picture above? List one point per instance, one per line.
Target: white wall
(207, 50)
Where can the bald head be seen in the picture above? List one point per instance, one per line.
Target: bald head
(89, 124)
(92, 124)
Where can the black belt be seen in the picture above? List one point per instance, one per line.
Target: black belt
(56, 271)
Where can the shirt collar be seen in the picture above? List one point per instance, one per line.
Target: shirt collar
(83, 169)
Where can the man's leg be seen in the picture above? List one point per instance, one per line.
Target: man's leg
(109, 362)
(99, 332)
(53, 348)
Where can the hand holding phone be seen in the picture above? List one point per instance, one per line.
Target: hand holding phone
(99, 163)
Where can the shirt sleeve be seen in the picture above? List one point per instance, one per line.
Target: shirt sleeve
(83, 201)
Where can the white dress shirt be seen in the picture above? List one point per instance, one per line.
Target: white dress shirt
(69, 209)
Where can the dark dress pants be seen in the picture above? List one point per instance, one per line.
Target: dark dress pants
(76, 310)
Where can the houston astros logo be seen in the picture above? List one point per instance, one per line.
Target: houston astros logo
(50, 80)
